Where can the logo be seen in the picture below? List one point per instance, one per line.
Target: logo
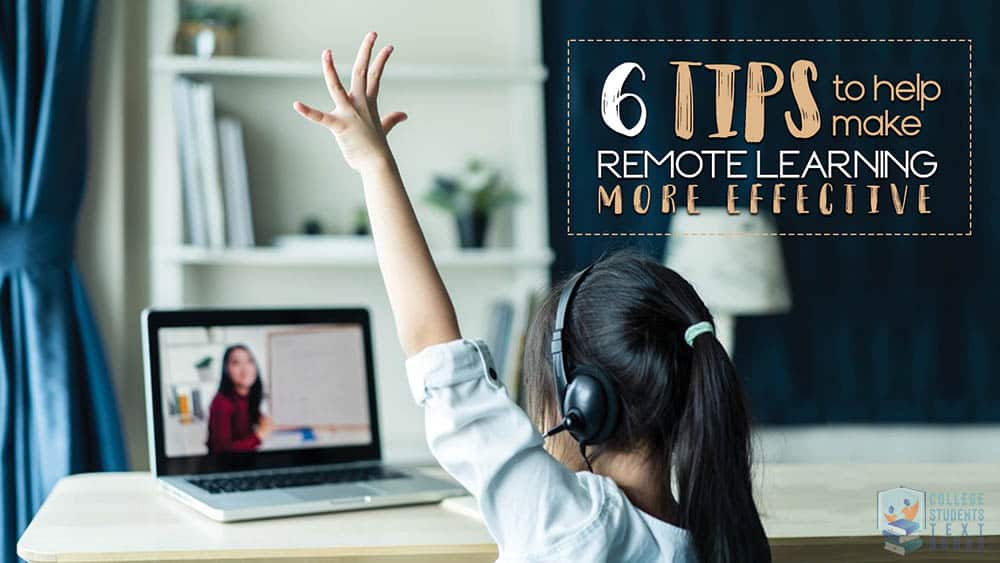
(900, 514)
(955, 521)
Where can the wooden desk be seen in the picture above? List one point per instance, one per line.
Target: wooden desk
(826, 512)
(811, 513)
(125, 517)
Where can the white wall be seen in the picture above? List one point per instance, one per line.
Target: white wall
(111, 244)
(101, 237)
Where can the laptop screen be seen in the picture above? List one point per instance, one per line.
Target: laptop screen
(238, 389)
(249, 394)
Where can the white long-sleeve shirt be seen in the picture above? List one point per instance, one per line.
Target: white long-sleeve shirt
(535, 508)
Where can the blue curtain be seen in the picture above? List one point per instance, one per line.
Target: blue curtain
(58, 413)
(890, 329)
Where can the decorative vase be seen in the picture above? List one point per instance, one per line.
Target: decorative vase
(205, 39)
(472, 229)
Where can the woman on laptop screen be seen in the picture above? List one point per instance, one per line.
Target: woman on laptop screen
(235, 423)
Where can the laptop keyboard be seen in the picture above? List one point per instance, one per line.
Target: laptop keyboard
(283, 480)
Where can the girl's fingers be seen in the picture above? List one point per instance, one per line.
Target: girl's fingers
(391, 120)
(358, 78)
(313, 114)
(375, 72)
(333, 84)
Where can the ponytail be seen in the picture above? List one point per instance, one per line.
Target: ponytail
(711, 461)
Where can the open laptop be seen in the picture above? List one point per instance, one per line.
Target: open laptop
(262, 413)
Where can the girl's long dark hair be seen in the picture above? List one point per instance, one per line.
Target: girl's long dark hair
(684, 406)
(256, 390)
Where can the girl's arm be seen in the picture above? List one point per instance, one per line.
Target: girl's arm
(531, 503)
(420, 304)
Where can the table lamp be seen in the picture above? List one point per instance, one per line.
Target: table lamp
(735, 271)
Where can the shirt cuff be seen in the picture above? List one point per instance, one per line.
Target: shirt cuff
(447, 364)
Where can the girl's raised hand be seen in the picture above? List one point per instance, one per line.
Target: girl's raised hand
(354, 119)
(420, 304)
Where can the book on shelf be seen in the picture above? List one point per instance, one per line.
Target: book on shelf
(525, 314)
(901, 527)
(508, 326)
(214, 175)
(207, 144)
(891, 537)
(904, 548)
(500, 336)
(235, 183)
(194, 205)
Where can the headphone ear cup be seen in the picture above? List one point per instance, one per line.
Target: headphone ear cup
(612, 407)
(592, 397)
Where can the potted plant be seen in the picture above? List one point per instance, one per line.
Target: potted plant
(204, 368)
(471, 197)
(207, 29)
(361, 226)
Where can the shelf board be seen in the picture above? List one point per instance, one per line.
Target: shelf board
(257, 67)
(274, 256)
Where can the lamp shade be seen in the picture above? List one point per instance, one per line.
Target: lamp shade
(735, 270)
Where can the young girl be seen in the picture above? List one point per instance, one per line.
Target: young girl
(650, 399)
(235, 423)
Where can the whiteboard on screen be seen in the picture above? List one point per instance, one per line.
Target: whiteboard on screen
(318, 377)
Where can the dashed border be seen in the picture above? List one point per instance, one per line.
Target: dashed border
(569, 42)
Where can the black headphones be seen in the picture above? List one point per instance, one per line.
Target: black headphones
(587, 398)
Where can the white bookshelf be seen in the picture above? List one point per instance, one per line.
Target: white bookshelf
(260, 67)
(277, 257)
(473, 87)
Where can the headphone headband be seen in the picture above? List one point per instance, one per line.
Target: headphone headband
(559, 368)
(587, 399)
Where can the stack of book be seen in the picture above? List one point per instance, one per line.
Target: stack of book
(216, 192)
(900, 537)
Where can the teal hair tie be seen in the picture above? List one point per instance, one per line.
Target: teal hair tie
(696, 329)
